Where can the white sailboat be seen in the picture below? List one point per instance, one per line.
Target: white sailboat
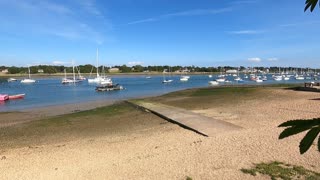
(28, 80)
(184, 78)
(80, 77)
(12, 80)
(165, 80)
(213, 83)
(99, 79)
(66, 80)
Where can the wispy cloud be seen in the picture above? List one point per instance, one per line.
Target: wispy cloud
(247, 32)
(143, 21)
(254, 59)
(133, 63)
(193, 12)
(51, 18)
(57, 63)
(273, 59)
(91, 7)
(244, 2)
(197, 12)
(299, 24)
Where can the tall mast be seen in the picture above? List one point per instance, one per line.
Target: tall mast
(74, 76)
(29, 72)
(97, 62)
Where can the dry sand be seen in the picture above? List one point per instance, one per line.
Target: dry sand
(171, 152)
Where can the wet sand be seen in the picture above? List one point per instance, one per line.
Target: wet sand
(152, 148)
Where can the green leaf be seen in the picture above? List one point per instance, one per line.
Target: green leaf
(311, 122)
(307, 141)
(292, 131)
(319, 144)
(310, 4)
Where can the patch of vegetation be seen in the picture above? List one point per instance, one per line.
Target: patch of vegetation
(188, 178)
(279, 170)
(223, 91)
(108, 120)
(106, 111)
(297, 126)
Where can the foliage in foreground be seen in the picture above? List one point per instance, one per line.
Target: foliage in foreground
(279, 170)
(311, 4)
(298, 126)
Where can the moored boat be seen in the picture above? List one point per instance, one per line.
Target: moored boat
(213, 82)
(17, 96)
(4, 97)
(12, 80)
(28, 80)
(109, 87)
(167, 81)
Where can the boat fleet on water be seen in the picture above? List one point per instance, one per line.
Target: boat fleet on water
(105, 83)
(259, 78)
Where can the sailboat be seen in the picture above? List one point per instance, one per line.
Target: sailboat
(184, 78)
(99, 79)
(28, 80)
(80, 77)
(238, 78)
(66, 80)
(165, 80)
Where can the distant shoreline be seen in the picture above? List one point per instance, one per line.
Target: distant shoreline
(2, 75)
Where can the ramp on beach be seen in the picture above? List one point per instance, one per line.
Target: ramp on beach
(196, 122)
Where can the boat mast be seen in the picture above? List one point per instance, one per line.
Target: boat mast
(97, 62)
(74, 75)
(29, 72)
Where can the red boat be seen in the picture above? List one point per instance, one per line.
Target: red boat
(4, 97)
(17, 96)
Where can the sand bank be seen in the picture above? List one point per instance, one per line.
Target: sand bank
(161, 150)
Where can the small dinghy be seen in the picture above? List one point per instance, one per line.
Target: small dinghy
(17, 96)
(109, 87)
(4, 97)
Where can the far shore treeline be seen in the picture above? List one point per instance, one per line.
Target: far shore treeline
(88, 68)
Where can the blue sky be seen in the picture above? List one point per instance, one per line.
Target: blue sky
(159, 32)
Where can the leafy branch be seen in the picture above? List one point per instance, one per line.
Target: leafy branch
(298, 126)
(311, 4)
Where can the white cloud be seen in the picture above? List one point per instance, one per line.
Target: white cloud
(143, 21)
(53, 19)
(272, 59)
(193, 12)
(91, 7)
(133, 63)
(246, 32)
(255, 59)
(58, 63)
(244, 2)
(196, 12)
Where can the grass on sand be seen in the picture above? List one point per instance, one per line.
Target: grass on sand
(279, 170)
(204, 98)
(116, 119)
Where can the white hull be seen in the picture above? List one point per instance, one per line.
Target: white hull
(184, 79)
(12, 79)
(167, 81)
(28, 81)
(221, 80)
(213, 83)
(69, 81)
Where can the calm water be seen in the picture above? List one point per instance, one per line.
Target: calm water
(47, 92)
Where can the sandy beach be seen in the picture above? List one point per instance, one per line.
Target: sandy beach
(134, 144)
